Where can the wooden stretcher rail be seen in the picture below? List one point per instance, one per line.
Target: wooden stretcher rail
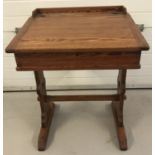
(114, 97)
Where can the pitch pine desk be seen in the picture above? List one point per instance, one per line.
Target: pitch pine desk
(78, 39)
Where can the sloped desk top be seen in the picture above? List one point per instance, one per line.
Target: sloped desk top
(104, 29)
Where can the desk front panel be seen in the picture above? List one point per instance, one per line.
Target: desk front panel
(77, 61)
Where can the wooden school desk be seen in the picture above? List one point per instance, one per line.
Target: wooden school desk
(84, 38)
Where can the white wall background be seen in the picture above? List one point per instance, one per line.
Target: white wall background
(17, 11)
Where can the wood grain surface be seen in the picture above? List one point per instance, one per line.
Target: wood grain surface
(92, 29)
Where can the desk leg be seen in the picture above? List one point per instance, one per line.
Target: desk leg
(47, 109)
(117, 108)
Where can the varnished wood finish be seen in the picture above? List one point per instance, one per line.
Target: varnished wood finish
(44, 131)
(73, 39)
(105, 9)
(114, 97)
(117, 108)
(75, 61)
(47, 110)
(103, 29)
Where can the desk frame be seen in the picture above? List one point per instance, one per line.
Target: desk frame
(47, 107)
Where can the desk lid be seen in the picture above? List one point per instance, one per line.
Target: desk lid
(104, 29)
